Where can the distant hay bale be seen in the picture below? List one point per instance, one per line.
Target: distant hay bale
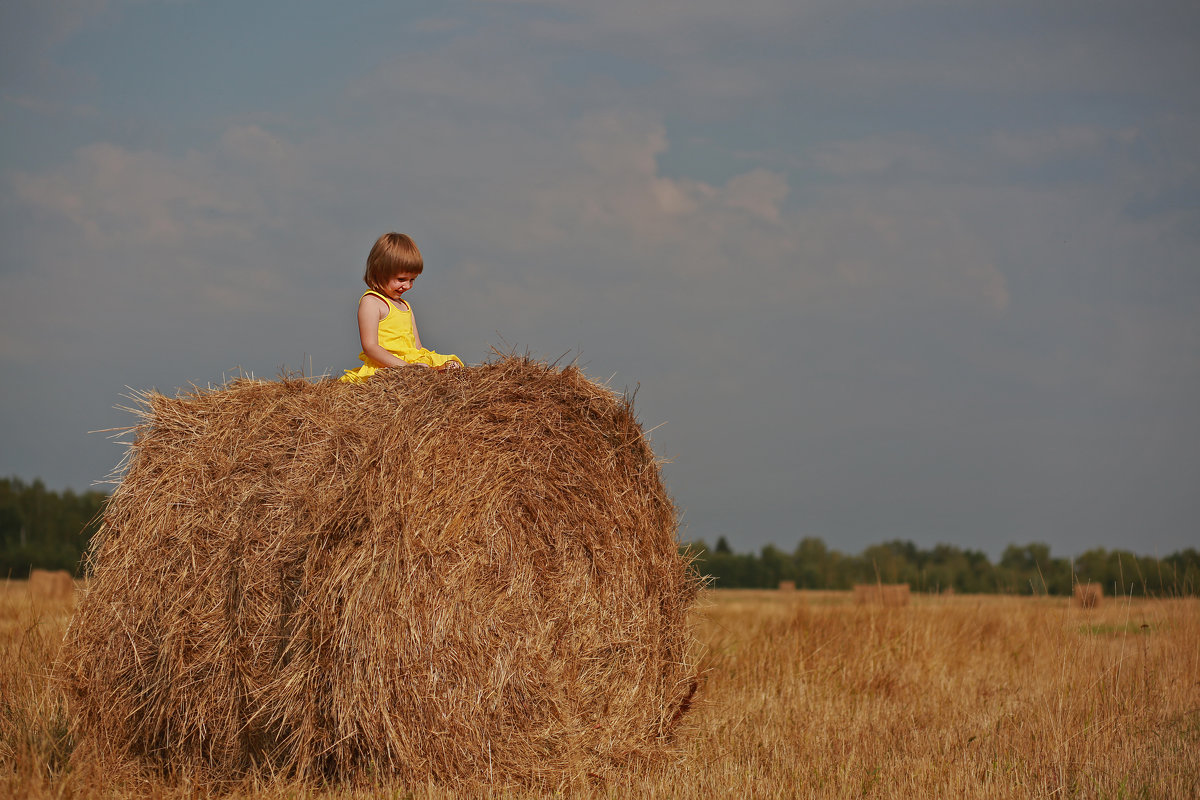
(51, 584)
(1087, 595)
(885, 594)
(787, 586)
(464, 576)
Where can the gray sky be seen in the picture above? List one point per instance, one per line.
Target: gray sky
(926, 270)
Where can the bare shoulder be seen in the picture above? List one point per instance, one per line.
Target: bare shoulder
(374, 304)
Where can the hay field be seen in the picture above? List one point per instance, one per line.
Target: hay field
(807, 694)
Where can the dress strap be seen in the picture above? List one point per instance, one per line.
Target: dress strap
(390, 304)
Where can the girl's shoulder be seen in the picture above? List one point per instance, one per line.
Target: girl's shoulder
(375, 302)
(378, 301)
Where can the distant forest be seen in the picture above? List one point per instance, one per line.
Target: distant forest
(1022, 569)
(51, 530)
(43, 528)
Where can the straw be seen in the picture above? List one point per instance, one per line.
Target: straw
(462, 576)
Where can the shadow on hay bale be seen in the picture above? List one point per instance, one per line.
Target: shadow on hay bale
(463, 576)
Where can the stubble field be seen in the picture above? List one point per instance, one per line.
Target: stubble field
(806, 694)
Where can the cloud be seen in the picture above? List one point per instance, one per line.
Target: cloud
(253, 145)
(470, 70)
(30, 33)
(759, 191)
(977, 159)
(547, 245)
(872, 49)
(1066, 143)
(602, 184)
(49, 107)
(876, 156)
(148, 252)
(903, 249)
(121, 198)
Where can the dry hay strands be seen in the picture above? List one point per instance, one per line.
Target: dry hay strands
(882, 594)
(470, 576)
(51, 584)
(1087, 595)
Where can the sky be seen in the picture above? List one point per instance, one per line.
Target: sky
(876, 270)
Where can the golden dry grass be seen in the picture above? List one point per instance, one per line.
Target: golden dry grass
(882, 594)
(807, 695)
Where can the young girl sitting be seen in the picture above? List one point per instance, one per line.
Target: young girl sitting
(385, 322)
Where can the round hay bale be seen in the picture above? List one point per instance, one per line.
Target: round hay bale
(49, 584)
(471, 575)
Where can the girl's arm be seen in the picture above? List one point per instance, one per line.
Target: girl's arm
(371, 310)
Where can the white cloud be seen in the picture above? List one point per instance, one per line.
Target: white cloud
(910, 245)
(121, 198)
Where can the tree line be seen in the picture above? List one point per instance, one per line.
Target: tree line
(51, 530)
(43, 528)
(1022, 569)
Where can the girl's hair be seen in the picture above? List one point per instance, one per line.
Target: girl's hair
(392, 254)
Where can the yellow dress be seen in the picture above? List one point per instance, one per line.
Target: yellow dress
(397, 337)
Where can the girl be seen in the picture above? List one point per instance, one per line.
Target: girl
(386, 326)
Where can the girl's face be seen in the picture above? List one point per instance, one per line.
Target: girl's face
(399, 284)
